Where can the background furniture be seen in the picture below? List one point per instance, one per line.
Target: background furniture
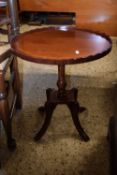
(8, 61)
(113, 137)
(96, 15)
(4, 20)
(113, 145)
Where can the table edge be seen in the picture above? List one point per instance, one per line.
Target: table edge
(66, 61)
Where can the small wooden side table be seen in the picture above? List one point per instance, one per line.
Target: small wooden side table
(61, 46)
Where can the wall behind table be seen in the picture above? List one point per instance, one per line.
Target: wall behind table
(99, 15)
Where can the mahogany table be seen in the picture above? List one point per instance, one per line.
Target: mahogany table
(61, 46)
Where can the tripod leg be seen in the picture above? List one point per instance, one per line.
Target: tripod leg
(49, 108)
(74, 109)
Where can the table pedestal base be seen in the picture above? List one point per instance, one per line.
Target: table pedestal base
(62, 96)
(70, 99)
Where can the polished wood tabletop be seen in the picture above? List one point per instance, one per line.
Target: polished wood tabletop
(61, 45)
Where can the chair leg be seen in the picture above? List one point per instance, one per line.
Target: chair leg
(17, 84)
(4, 113)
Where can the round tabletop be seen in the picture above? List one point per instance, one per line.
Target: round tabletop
(61, 45)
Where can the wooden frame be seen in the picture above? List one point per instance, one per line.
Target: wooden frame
(6, 111)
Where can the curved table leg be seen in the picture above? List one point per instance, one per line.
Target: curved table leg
(49, 108)
(74, 109)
